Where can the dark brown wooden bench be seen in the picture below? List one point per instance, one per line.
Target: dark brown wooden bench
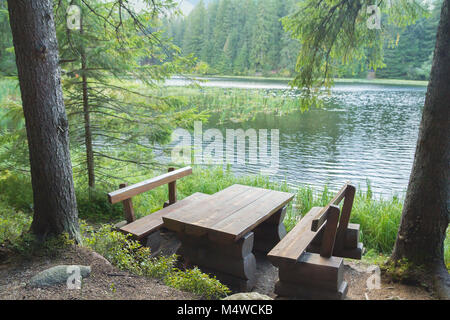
(147, 229)
(310, 257)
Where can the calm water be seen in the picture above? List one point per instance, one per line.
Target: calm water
(365, 132)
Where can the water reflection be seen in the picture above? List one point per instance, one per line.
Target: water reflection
(363, 132)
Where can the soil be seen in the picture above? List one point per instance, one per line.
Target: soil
(108, 283)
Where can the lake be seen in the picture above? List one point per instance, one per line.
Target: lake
(365, 132)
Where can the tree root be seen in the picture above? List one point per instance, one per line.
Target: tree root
(441, 283)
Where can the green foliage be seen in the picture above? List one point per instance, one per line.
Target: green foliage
(15, 189)
(129, 255)
(7, 58)
(334, 33)
(93, 205)
(237, 37)
(108, 67)
(237, 105)
(195, 281)
(411, 55)
(379, 218)
(28, 246)
(12, 222)
(256, 44)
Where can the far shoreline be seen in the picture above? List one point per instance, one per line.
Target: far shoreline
(419, 83)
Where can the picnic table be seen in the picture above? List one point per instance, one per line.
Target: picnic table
(219, 233)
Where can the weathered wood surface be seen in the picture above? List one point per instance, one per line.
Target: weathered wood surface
(269, 233)
(322, 216)
(172, 190)
(229, 214)
(128, 207)
(329, 235)
(351, 237)
(234, 262)
(296, 241)
(312, 277)
(313, 270)
(146, 225)
(138, 188)
(284, 289)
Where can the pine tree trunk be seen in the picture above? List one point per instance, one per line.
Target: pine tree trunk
(87, 116)
(36, 49)
(425, 215)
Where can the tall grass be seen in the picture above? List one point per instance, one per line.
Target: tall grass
(237, 104)
(379, 218)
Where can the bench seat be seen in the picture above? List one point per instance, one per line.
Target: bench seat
(310, 257)
(143, 227)
(296, 241)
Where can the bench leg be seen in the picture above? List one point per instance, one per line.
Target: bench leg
(270, 232)
(312, 277)
(233, 263)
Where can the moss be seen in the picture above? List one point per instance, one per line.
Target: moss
(405, 272)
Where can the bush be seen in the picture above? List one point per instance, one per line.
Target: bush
(127, 254)
(195, 281)
(16, 190)
(12, 223)
(93, 205)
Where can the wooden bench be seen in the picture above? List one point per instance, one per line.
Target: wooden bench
(147, 229)
(219, 234)
(310, 257)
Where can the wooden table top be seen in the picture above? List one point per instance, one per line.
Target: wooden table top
(228, 214)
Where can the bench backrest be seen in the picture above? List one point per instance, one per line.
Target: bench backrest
(125, 193)
(329, 219)
(346, 194)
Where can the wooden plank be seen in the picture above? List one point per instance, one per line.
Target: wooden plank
(284, 289)
(345, 216)
(197, 220)
(237, 224)
(172, 190)
(296, 241)
(313, 270)
(138, 188)
(128, 207)
(321, 217)
(329, 235)
(351, 237)
(146, 225)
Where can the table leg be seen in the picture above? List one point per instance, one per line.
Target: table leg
(270, 232)
(233, 263)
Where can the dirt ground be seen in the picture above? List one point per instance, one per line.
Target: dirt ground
(108, 283)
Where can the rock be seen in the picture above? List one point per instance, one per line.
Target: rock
(101, 259)
(248, 296)
(57, 275)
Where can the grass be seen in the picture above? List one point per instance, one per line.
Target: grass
(379, 218)
(237, 105)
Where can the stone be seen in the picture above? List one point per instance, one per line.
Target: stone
(58, 275)
(248, 296)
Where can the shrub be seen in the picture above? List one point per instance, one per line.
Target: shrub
(127, 254)
(16, 191)
(195, 281)
(93, 205)
(12, 223)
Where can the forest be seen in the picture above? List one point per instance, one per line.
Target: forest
(89, 111)
(247, 37)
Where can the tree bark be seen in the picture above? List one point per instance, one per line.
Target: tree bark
(36, 49)
(425, 214)
(87, 115)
